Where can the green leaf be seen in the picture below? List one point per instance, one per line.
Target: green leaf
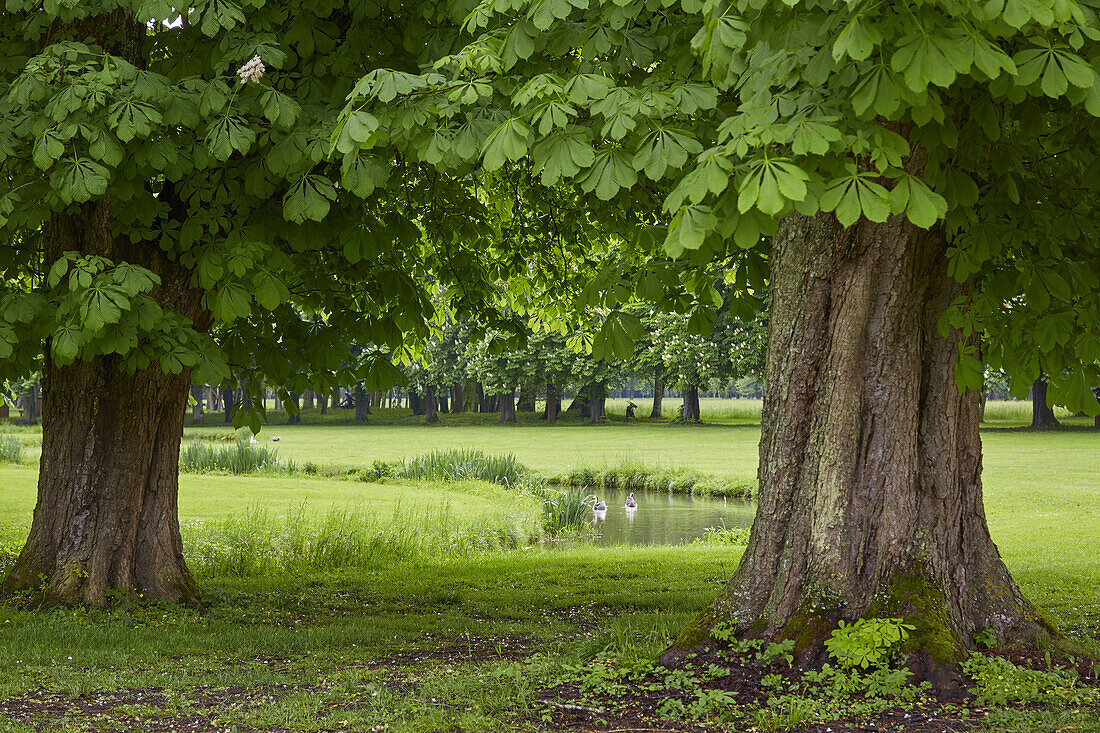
(232, 302)
(507, 142)
(611, 171)
(617, 335)
(309, 198)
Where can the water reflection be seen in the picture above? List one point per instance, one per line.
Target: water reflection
(662, 518)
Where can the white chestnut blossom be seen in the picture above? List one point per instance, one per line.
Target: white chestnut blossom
(251, 71)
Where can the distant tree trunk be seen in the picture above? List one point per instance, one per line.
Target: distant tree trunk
(1041, 414)
(596, 400)
(29, 407)
(870, 458)
(553, 402)
(691, 404)
(294, 415)
(196, 409)
(416, 402)
(211, 397)
(376, 399)
(278, 402)
(443, 397)
(431, 405)
(507, 403)
(228, 400)
(362, 403)
(658, 397)
(307, 399)
(322, 402)
(526, 398)
(458, 398)
(581, 404)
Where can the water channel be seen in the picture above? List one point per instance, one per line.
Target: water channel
(664, 519)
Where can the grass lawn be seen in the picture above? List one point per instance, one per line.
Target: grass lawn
(412, 639)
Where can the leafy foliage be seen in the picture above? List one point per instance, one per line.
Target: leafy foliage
(729, 116)
(869, 642)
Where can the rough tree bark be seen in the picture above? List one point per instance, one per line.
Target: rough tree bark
(870, 458)
(307, 399)
(1042, 416)
(691, 404)
(658, 397)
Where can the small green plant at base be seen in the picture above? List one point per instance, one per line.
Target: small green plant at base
(869, 642)
(999, 682)
(986, 638)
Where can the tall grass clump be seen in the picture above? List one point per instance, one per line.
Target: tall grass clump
(568, 511)
(633, 476)
(240, 458)
(463, 464)
(257, 543)
(11, 449)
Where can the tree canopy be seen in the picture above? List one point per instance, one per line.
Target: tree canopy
(722, 118)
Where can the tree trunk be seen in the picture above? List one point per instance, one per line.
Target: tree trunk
(431, 406)
(582, 403)
(597, 399)
(307, 399)
(293, 411)
(526, 402)
(228, 400)
(658, 398)
(691, 404)
(29, 409)
(196, 409)
(362, 403)
(870, 458)
(211, 398)
(416, 403)
(106, 516)
(553, 402)
(507, 403)
(1041, 414)
(444, 402)
(458, 398)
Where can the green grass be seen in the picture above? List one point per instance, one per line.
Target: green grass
(309, 582)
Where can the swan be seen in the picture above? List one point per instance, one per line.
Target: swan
(600, 506)
(631, 503)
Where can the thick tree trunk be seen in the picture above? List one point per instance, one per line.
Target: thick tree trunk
(582, 403)
(691, 404)
(211, 398)
(196, 409)
(416, 403)
(106, 515)
(458, 398)
(1042, 416)
(431, 405)
(444, 404)
(307, 399)
(870, 458)
(507, 402)
(658, 397)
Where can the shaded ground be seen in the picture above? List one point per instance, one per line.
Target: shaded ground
(636, 707)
